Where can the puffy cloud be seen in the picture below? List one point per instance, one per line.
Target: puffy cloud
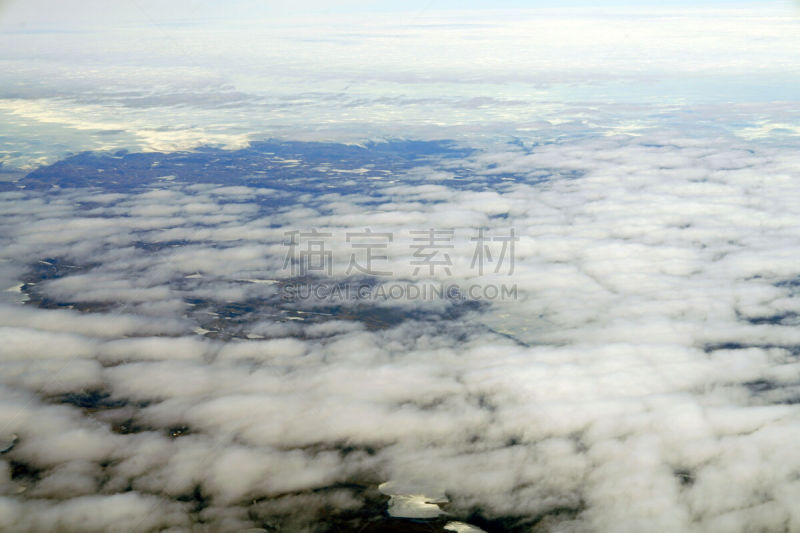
(645, 374)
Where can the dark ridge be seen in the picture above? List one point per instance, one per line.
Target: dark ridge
(130, 426)
(288, 169)
(262, 164)
(712, 347)
(94, 400)
(782, 319)
(343, 448)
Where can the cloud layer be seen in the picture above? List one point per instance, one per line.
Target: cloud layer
(645, 377)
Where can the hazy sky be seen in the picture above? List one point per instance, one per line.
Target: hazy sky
(147, 75)
(58, 14)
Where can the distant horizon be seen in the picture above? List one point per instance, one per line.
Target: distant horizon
(54, 14)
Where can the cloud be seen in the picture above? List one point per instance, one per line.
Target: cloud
(645, 375)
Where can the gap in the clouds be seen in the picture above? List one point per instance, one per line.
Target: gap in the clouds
(773, 393)
(782, 319)
(298, 167)
(287, 302)
(55, 268)
(223, 308)
(793, 349)
(92, 400)
(288, 169)
(120, 414)
(25, 472)
(282, 175)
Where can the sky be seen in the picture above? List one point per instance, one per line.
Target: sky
(53, 13)
(132, 77)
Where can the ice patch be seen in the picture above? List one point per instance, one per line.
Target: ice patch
(413, 500)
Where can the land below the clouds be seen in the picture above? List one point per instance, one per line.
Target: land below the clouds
(295, 168)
